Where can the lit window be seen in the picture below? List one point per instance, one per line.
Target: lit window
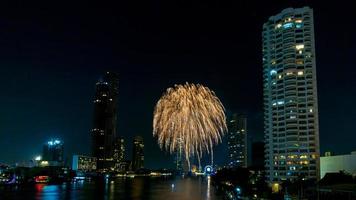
(289, 73)
(311, 110)
(273, 72)
(299, 46)
(300, 73)
(280, 76)
(299, 62)
(280, 102)
(278, 26)
(300, 51)
(288, 25)
(298, 21)
(293, 117)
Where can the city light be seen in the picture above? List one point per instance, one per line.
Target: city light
(38, 158)
(53, 142)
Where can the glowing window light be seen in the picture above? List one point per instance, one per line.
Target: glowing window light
(300, 73)
(278, 26)
(280, 76)
(273, 72)
(298, 21)
(299, 46)
(288, 25)
(298, 25)
(311, 110)
(280, 102)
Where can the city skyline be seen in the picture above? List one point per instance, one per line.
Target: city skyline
(55, 102)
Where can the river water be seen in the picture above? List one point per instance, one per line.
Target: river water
(137, 188)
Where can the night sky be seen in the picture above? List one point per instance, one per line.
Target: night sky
(52, 53)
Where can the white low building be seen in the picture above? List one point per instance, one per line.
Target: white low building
(338, 163)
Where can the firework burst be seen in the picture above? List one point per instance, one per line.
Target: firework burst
(190, 117)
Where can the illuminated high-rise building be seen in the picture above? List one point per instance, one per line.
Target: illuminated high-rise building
(83, 163)
(179, 157)
(53, 153)
(137, 153)
(237, 141)
(119, 152)
(290, 96)
(103, 132)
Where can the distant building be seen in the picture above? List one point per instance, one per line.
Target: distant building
(257, 155)
(334, 164)
(84, 163)
(119, 153)
(290, 96)
(137, 153)
(52, 154)
(179, 157)
(237, 141)
(104, 130)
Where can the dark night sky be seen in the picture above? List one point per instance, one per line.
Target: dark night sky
(51, 55)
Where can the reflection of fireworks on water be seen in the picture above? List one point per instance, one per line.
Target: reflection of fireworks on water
(190, 114)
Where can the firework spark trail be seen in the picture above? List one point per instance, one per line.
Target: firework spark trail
(191, 114)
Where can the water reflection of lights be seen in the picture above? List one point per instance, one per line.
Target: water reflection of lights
(47, 192)
(172, 187)
(112, 190)
(208, 189)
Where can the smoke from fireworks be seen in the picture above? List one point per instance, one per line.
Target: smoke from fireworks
(190, 117)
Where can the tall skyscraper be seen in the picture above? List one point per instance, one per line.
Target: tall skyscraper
(53, 153)
(237, 141)
(179, 157)
(119, 152)
(290, 96)
(105, 121)
(137, 153)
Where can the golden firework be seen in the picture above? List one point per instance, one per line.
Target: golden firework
(190, 117)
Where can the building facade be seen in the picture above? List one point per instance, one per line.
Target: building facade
(84, 163)
(52, 154)
(137, 153)
(237, 141)
(179, 156)
(103, 132)
(290, 96)
(119, 153)
(335, 164)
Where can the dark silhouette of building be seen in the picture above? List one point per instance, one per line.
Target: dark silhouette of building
(258, 155)
(105, 121)
(237, 141)
(137, 153)
(53, 152)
